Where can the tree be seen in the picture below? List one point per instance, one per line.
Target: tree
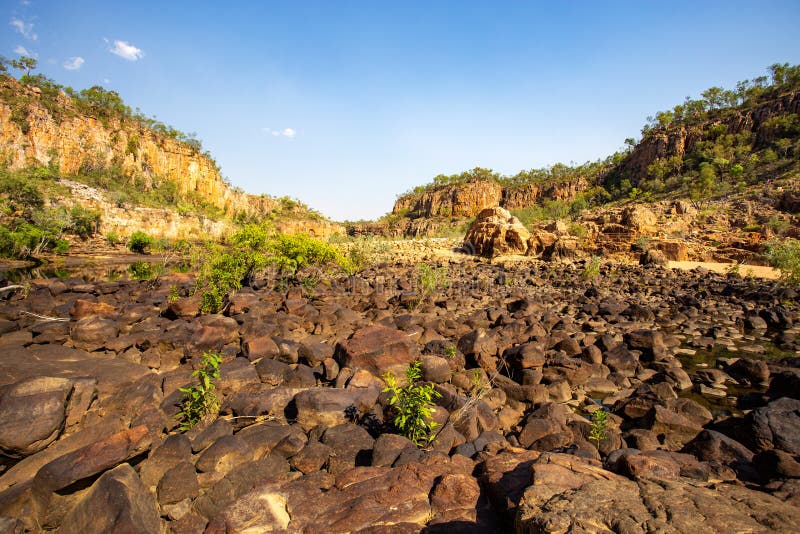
(25, 63)
(4, 64)
(714, 96)
(703, 187)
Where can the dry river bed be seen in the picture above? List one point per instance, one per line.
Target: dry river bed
(698, 371)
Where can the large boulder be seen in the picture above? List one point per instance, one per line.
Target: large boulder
(33, 414)
(640, 220)
(496, 232)
(117, 502)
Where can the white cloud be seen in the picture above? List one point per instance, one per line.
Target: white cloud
(22, 51)
(286, 132)
(25, 28)
(106, 81)
(126, 50)
(74, 63)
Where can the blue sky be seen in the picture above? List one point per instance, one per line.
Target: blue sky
(345, 104)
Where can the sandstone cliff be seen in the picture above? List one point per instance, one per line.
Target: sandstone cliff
(463, 200)
(33, 133)
(48, 129)
(469, 199)
(679, 140)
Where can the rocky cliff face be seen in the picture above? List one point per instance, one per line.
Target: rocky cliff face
(523, 196)
(31, 134)
(677, 141)
(467, 200)
(464, 200)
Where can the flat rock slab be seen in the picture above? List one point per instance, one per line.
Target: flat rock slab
(573, 495)
(58, 361)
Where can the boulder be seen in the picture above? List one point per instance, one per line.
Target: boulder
(324, 406)
(378, 349)
(93, 332)
(92, 459)
(33, 414)
(774, 426)
(640, 220)
(496, 232)
(117, 502)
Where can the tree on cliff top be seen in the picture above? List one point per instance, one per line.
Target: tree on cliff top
(25, 63)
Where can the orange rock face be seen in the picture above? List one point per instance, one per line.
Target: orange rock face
(73, 141)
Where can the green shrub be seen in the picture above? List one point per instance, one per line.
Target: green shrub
(220, 273)
(61, 246)
(24, 240)
(112, 238)
(363, 253)
(431, 278)
(83, 222)
(578, 230)
(200, 399)
(138, 242)
(592, 269)
(142, 270)
(778, 225)
(22, 194)
(785, 255)
(599, 427)
(412, 405)
(290, 253)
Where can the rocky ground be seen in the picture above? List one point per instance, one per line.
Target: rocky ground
(700, 372)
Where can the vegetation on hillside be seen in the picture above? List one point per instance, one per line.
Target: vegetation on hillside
(64, 101)
(725, 154)
(28, 225)
(36, 229)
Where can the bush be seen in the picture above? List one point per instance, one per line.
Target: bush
(61, 246)
(431, 278)
(22, 195)
(112, 238)
(592, 269)
(252, 249)
(412, 405)
(363, 253)
(84, 222)
(138, 242)
(221, 273)
(200, 399)
(292, 253)
(785, 255)
(141, 270)
(25, 240)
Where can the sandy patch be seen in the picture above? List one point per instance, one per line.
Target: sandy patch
(757, 271)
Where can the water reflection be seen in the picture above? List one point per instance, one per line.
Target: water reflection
(94, 270)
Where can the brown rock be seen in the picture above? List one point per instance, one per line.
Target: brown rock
(496, 232)
(572, 495)
(117, 502)
(33, 414)
(378, 349)
(84, 308)
(92, 459)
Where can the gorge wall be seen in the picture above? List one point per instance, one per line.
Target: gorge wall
(32, 134)
(467, 200)
(679, 140)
